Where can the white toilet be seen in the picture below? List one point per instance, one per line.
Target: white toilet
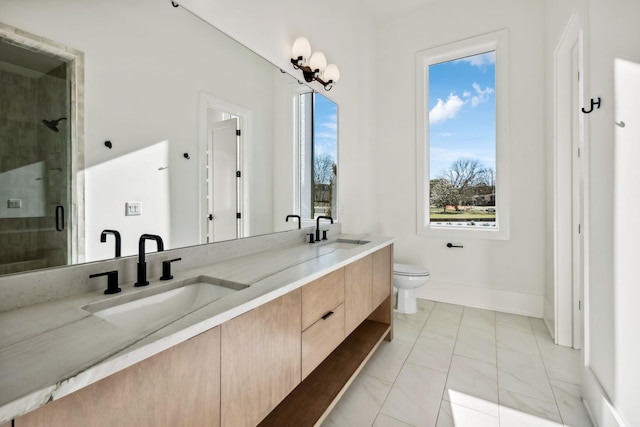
(406, 278)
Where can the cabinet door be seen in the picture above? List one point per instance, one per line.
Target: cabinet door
(357, 292)
(178, 387)
(381, 275)
(260, 360)
(321, 296)
(321, 338)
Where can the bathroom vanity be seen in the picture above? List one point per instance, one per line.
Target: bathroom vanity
(279, 349)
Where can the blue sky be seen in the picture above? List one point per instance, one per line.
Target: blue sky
(325, 127)
(462, 112)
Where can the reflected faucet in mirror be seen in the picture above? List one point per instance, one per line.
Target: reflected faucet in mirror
(116, 234)
(294, 216)
(142, 265)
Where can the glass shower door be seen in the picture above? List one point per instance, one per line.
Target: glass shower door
(35, 178)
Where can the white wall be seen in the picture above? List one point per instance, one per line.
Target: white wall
(612, 317)
(345, 35)
(503, 275)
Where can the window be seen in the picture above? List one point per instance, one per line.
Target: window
(462, 147)
(318, 148)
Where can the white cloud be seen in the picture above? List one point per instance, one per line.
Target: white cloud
(482, 95)
(445, 110)
(331, 123)
(480, 60)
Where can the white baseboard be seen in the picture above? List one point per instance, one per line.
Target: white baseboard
(599, 407)
(485, 298)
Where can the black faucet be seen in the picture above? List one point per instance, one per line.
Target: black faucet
(294, 216)
(142, 265)
(318, 226)
(103, 239)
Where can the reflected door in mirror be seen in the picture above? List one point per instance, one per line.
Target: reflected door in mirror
(223, 188)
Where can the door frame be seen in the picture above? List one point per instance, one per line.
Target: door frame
(209, 102)
(569, 265)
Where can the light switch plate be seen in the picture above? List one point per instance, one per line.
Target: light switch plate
(133, 208)
(14, 203)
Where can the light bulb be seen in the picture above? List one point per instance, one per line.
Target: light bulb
(318, 62)
(301, 48)
(331, 73)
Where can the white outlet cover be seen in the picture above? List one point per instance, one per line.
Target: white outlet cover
(133, 208)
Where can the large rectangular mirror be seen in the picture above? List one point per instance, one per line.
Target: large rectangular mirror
(141, 118)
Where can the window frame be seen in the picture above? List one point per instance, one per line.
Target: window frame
(495, 41)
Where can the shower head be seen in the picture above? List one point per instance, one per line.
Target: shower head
(53, 124)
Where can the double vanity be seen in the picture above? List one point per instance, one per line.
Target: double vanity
(273, 337)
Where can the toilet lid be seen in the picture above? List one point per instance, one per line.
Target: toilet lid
(409, 270)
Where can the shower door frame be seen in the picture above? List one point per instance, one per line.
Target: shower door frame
(75, 71)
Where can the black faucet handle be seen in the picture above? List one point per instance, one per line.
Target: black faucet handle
(112, 281)
(324, 234)
(311, 240)
(166, 269)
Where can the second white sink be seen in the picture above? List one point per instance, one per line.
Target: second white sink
(345, 244)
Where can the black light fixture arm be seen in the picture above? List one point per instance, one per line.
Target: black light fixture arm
(309, 74)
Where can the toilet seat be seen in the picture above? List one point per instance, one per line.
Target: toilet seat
(410, 270)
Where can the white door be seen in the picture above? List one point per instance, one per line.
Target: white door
(222, 165)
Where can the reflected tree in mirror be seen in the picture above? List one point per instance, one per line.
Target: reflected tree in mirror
(318, 148)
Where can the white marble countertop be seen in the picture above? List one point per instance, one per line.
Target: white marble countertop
(52, 349)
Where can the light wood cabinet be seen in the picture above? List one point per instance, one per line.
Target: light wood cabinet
(177, 387)
(323, 317)
(358, 292)
(321, 338)
(321, 296)
(382, 275)
(260, 360)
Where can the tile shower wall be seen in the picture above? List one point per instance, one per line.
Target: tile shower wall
(33, 169)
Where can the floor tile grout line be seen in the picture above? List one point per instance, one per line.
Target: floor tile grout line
(446, 379)
(546, 372)
(403, 363)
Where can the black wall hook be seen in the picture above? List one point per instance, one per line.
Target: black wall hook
(108, 144)
(186, 156)
(595, 104)
(174, 4)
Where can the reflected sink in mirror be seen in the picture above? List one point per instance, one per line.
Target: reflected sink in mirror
(157, 307)
(345, 244)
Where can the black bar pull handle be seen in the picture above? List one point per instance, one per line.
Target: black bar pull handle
(59, 218)
(451, 245)
(326, 316)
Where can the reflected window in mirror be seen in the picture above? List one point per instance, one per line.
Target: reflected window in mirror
(318, 155)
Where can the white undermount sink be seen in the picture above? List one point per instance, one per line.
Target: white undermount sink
(154, 307)
(345, 243)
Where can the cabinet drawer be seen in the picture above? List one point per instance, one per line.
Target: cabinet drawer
(321, 338)
(321, 296)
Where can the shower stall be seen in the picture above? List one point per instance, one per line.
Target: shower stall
(35, 160)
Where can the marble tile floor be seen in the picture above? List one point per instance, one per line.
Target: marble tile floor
(450, 365)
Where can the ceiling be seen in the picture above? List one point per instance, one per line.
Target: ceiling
(382, 10)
